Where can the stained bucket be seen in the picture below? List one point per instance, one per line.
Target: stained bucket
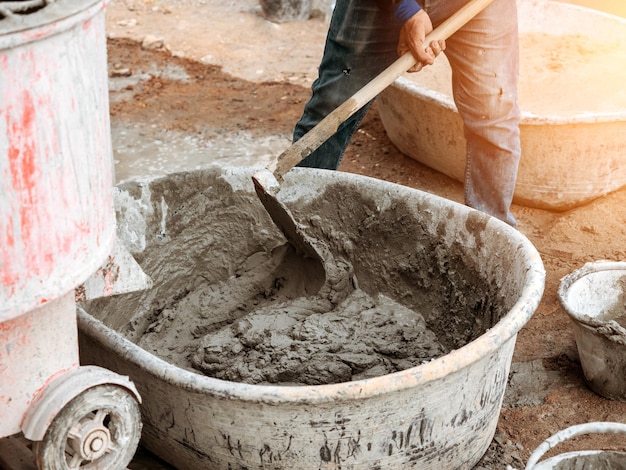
(586, 459)
(594, 297)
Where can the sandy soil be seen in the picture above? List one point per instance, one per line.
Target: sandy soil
(209, 69)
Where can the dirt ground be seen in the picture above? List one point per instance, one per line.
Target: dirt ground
(214, 68)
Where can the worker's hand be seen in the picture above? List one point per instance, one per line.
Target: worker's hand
(412, 36)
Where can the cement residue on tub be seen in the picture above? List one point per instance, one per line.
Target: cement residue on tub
(232, 299)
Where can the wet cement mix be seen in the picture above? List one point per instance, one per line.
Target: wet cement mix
(244, 75)
(373, 343)
(306, 341)
(259, 312)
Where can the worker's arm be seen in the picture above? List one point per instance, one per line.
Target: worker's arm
(416, 25)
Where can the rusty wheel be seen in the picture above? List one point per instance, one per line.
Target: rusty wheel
(98, 429)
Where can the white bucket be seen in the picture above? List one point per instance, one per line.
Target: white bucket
(587, 459)
(594, 298)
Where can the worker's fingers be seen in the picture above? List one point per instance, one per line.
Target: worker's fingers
(426, 56)
(423, 57)
(436, 47)
(430, 54)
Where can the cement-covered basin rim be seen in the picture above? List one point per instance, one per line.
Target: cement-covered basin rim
(54, 18)
(526, 119)
(485, 345)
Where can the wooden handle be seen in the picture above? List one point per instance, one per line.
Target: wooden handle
(329, 125)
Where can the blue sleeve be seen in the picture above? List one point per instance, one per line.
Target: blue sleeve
(406, 10)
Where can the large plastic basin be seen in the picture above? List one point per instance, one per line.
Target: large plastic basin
(476, 280)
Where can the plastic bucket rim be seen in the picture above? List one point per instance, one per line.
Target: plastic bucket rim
(550, 463)
(569, 280)
(601, 427)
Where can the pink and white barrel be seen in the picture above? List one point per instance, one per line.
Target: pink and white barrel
(56, 175)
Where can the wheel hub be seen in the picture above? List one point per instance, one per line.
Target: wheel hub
(92, 441)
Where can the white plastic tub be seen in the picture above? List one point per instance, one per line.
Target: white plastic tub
(573, 145)
(481, 280)
(594, 297)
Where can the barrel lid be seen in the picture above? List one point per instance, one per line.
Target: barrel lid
(37, 18)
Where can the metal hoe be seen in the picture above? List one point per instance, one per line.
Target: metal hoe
(267, 181)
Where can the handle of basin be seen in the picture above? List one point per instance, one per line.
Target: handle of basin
(601, 427)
